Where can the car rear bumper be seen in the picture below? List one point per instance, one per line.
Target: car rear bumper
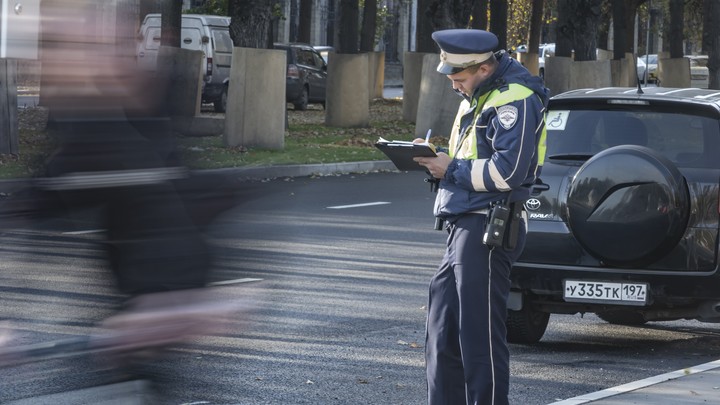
(665, 288)
(293, 89)
(212, 92)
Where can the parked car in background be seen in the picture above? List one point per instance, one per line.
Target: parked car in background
(306, 75)
(651, 67)
(545, 51)
(207, 33)
(324, 50)
(623, 221)
(641, 69)
(699, 73)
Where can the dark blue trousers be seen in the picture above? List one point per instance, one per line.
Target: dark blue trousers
(466, 352)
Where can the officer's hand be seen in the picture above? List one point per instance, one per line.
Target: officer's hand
(437, 166)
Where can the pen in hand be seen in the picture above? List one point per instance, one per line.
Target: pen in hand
(427, 136)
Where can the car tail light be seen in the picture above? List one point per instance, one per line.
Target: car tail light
(209, 66)
(293, 72)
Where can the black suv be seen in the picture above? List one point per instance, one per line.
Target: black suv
(623, 221)
(306, 75)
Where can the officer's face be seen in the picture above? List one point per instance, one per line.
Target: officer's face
(466, 81)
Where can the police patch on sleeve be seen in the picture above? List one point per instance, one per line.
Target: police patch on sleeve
(507, 115)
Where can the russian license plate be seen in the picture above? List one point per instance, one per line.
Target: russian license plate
(605, 292)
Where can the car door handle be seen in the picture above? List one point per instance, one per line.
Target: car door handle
(538, 188)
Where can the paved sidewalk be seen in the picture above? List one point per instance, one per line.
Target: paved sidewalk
(690, 386)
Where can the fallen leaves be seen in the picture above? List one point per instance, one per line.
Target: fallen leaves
(412, 345)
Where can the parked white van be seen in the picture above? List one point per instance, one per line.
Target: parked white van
(207, 33)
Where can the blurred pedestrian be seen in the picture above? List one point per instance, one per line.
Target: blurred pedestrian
(114, 152)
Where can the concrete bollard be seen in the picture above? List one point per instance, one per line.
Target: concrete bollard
(255, 115)
(590, 74)
(437, 102)
(183, 68)
(557, 74)
(376, 74)
(412, 77)
(347, 94)
(674, 72)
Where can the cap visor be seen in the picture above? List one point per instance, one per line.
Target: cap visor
(448, 69)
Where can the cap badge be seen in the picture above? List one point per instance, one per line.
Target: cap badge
(507, 115)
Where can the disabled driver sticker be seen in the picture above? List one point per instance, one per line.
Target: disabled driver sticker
(507, 115)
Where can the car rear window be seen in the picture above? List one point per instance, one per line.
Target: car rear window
(305, 57)
(687, 140)
(223, 42)
(152, 39)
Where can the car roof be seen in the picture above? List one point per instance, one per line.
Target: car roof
(207, 19)
(658, 94)
(285, 45)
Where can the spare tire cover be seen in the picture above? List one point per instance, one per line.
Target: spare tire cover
(628, 206)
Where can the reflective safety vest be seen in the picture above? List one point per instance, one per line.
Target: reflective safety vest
(496, 98)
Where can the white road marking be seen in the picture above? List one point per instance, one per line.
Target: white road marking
(85, 232)
(236, 281)
(340, 207)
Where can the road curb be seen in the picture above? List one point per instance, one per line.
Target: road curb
(268, 172)
(324, 169)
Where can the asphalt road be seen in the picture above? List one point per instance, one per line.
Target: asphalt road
(338, 316)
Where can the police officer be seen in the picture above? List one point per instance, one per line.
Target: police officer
(496, 148)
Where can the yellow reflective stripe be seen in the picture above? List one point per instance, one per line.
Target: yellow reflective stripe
(468, 149)
(454, 133)
(514, 92)
(542, 146)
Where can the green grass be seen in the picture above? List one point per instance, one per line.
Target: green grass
(210, 153)
(34, 147)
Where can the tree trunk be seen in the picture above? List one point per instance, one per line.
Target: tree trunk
(369, 23)
(708, 34)
(536, 21)
(498, 21)
(677, 18)
(146, 7)
(8, 107)
(565, 29)
(423, 28)
(348, 30)
(250, 22)
(711, 46)
(305, 21)
(127, 27)
(631, 8)
(171, 23)
(293, 19)
(620, 28)
(478, 15)
(577, 27)
(604, 27)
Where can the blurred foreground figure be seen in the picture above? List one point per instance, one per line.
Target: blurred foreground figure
(115, 149)
(115, 153)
